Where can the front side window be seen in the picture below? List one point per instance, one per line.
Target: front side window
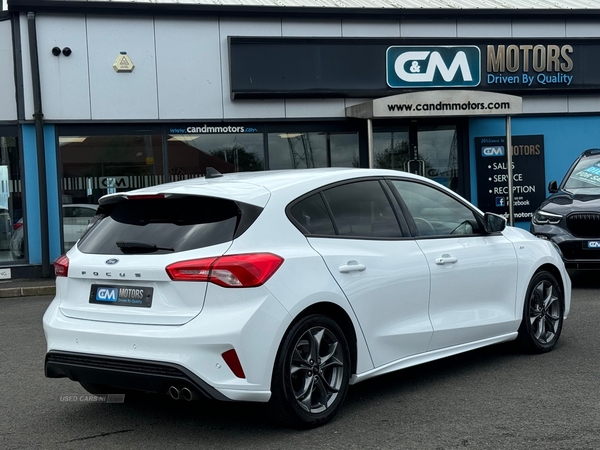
(435, 213)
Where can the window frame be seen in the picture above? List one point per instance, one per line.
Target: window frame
(479, 217)
(397, 212)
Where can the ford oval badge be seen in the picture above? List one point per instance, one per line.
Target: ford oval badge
(112, 261)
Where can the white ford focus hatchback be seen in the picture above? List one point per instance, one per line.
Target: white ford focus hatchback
(286, 287)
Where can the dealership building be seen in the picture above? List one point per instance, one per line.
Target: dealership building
(105, 96)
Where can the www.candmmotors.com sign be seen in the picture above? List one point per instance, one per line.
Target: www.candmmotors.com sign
(428, 67)
(437, 103)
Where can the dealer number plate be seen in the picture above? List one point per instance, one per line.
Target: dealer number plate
(121, 295)
(593, 245)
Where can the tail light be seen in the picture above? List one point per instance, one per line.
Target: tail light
(18, 224)
(246, 270)
(61, 266)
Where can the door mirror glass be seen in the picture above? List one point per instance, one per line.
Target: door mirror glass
(494, 223)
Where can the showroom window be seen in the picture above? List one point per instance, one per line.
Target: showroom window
(125, 157)
(12, 245)
(190, 154)
(307, 150)
(93, 166)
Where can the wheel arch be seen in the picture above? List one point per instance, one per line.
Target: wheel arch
(555, 272)
(341, 317)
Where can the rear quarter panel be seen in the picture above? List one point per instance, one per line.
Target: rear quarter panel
(302, 281)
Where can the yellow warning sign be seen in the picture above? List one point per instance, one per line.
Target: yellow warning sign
(123, 63)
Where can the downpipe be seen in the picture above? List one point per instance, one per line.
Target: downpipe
(39, 138)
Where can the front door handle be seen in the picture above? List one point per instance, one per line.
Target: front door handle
(352, 266)
(446, 259)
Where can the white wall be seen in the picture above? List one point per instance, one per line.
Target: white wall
(181, 64)
(64, 80)
(188, 66)
(122, 95)
(8, 102)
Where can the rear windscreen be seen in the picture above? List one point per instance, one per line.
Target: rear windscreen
(161, 225)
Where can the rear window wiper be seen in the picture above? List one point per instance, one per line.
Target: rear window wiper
(140, 247)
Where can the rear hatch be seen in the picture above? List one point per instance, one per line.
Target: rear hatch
(117, 271)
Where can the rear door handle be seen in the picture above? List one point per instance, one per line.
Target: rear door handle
(352, 266)
(446, 259)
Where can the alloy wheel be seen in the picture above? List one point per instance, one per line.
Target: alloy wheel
(316, 369)
(544, 312)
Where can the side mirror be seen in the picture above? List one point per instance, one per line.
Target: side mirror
(493, 223)
(553, 187)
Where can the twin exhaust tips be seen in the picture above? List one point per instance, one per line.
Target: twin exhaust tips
(184, 393)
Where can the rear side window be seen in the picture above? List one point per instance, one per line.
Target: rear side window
(162, 225)
(311, 213)
(363, 210)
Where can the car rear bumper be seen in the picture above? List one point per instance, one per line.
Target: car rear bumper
(155, 357)
(126, 373)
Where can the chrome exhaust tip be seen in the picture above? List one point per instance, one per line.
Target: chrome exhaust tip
(174, 393)
(188, 394)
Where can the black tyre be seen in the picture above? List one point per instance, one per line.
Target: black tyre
(311, 373)
(542, 314)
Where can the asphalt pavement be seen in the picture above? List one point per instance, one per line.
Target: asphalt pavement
(494, 398)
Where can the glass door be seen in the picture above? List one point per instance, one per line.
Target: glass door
(437, 153)
(391, 147)
(428, 150)
(12, 242)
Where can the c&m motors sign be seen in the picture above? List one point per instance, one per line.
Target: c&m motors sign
(429, 66)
